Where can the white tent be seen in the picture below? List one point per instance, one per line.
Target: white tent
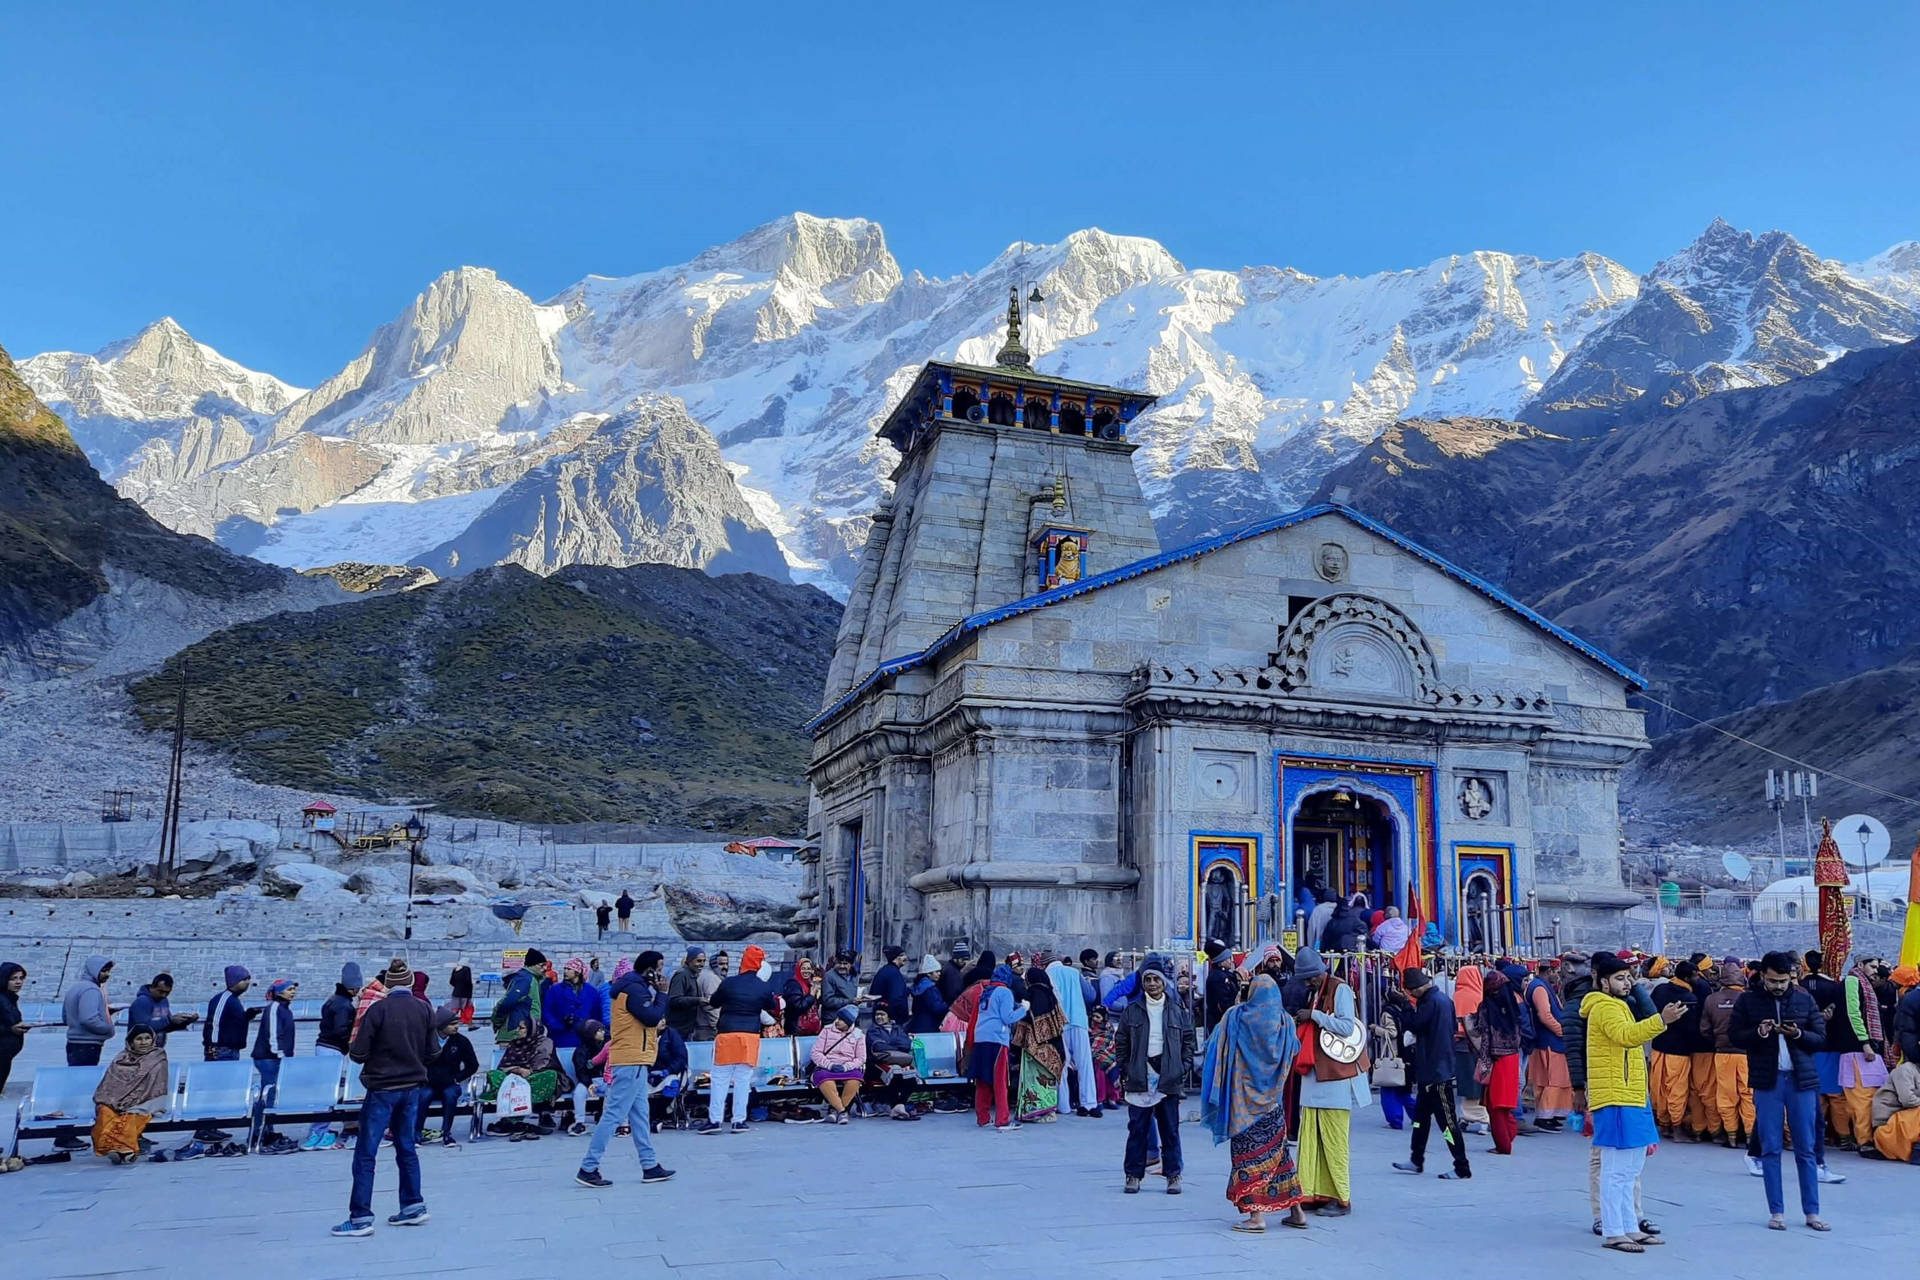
(1798, 898)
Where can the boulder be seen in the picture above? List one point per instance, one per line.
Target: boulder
(436, 881)
(291, 879)
(376, 880)
(725, 915)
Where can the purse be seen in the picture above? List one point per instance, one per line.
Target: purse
(1338, 1057)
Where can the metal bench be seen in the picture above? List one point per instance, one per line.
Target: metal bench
(777, 1071)
(213, 1092)
(60, 1098)
(308, 1089)
(941, 1050)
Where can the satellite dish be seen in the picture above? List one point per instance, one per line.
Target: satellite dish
(1847, 834)
(1737, 865)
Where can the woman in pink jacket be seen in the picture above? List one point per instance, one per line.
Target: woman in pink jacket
(840, 1062)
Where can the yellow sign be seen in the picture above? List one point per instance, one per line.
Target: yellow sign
(513, 958)
(1290, 941)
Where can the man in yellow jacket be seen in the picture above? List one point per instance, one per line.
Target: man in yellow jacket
(1623, 1126)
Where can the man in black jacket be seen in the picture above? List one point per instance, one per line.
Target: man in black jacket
(1426, 1013)
(394, 1045)
(1153, 1083)
(1780, 1028)
(1222, 989)
(1906, 1025)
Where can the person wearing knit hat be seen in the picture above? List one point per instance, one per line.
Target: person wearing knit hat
(223, 1037)
(572, 1002)
(1425, 1013)
(890, 985)
(1670, 1077)
(333, 1039)
(929, 1007)
(747, 1004)
(272, 1042)
(394, 1045)
(1623, 1126)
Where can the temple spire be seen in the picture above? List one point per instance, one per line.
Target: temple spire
(1013, 355)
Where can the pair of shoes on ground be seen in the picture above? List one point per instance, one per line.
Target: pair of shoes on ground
(714, 1126)
(1449, 1176)
(593, 1178)
(1132, 1187)
(411, 1217)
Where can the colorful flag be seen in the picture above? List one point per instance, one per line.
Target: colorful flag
(1409, 957)
(1836, 913)
(1910, 942)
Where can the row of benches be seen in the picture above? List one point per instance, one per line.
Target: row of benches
(312, 1088)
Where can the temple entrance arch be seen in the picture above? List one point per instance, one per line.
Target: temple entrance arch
(1347, 841)
(1330, 805)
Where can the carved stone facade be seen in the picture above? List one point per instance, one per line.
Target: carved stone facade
(1110, 762)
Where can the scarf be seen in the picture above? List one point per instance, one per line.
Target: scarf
(1468, 988)
(1869, 1004)
(1499, 1020)
(134, 1079)
(1248, 1057)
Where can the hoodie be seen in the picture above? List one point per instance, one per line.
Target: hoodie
(336, 1021)
(1716, 1013)
(85, 1006)
(274, 1039)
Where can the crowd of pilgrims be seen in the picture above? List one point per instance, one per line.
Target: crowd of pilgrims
(1279, 1048)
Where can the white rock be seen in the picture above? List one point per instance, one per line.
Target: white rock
(293, 879)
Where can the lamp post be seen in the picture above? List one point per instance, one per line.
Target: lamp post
(1865, 833)
(416, 832)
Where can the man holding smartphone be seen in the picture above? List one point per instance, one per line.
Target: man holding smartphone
(1780, 1028)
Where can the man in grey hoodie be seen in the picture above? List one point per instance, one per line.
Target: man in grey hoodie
(89, 1026)
(85, 1010)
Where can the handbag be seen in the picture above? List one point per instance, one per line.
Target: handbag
(1338, 1057)
(1389, 1068)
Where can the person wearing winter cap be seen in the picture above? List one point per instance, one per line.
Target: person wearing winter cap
(333, 1039)
(272, 1042)
(394, 1045)
(928, 1007)
(1729, 1114)
(1906, 1013)
(953, 974)
(838, 1062)
(746, 1003)
(570, 1002)
(890, 985)
(1425, 1014)
(223, 1037)
(1221, 990)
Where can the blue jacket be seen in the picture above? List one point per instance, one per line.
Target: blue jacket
(563, 1010)
(928, 1007)
(226, 1023)
(890, 985)
(145, 1011)
(998, 1013)
(275, 1036)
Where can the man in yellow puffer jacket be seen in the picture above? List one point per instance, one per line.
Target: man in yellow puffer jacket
(1623, 1126)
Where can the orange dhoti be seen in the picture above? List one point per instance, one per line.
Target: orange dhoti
(1897, 1137)
(1702, 1115)
(1668, 1081)
(117, 1130)
(1732, 1095)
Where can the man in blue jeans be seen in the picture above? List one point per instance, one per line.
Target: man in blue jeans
(1780, 1028)
(639, 1005)
(394, 1044)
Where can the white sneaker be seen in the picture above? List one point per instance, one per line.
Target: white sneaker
(1753, 1167)
(1831, 1178)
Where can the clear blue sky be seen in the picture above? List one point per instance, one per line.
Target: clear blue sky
(282, 178)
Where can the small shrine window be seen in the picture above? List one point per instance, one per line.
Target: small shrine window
(1000, 410)
(963, 401)
(1072, 421)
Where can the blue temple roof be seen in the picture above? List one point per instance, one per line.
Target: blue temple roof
(1193, 550)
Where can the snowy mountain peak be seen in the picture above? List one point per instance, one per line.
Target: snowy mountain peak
(1895, 273)
(847, 256)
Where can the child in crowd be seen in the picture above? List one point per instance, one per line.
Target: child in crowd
(591, 1076)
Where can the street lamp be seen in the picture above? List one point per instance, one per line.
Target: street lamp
(416, 832)
(1865, 833)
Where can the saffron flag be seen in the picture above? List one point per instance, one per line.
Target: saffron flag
(1409, 957)
(1910, 942)
(1836, 913)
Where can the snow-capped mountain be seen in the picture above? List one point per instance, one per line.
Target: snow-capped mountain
(790, 343)
(1733, 310)
(158, 408)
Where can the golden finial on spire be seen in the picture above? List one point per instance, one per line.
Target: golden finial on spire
(1013, 355)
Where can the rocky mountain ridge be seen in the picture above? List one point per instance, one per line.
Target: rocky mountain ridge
(788, 343)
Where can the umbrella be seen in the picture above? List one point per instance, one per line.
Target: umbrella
(1836, 924)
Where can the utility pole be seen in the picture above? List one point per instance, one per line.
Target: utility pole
(1777, 801)
(170, 811)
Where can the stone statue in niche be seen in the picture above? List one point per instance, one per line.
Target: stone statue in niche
(1476, 798)
(1067, 568)
(1331, 562)
(1221, 905)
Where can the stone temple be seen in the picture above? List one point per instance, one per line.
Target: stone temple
(1041, 727)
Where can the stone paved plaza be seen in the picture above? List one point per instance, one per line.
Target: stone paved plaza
(938, 1198)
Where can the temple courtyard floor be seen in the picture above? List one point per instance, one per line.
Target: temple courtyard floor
(938, 1198)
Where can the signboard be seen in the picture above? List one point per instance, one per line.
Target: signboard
(513, 958)
(1290, 941)
(323, 824)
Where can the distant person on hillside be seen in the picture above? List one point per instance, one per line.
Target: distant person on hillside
(602, 917)
(394, 1045)
(624, 905)
(152, 1007)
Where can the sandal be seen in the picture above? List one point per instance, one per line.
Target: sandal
(1819, 1224)
(1649, 1240)
(1297, 1225)
(1247, 1228)
(1776, 1223)
(1625, 1244)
